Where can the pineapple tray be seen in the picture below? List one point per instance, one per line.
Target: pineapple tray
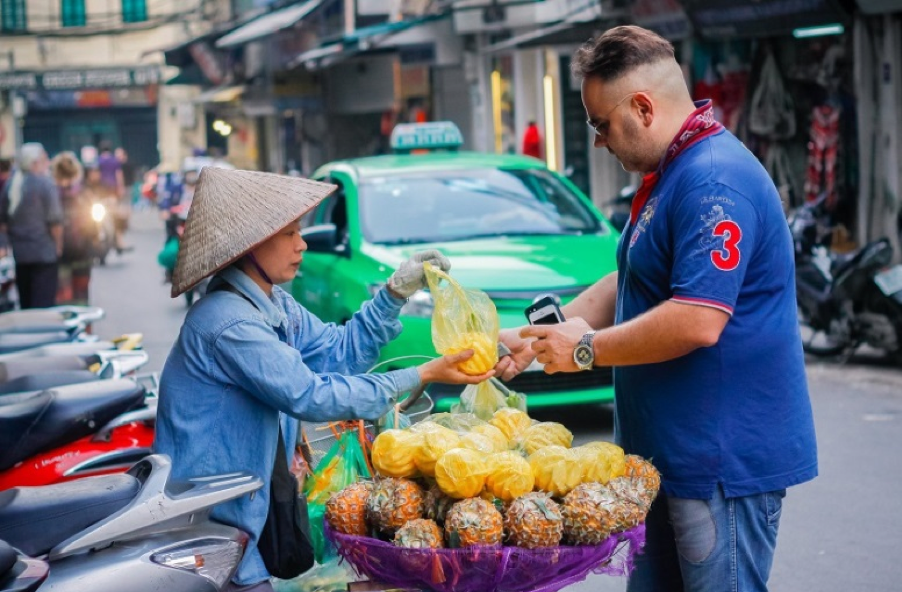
(501, 504)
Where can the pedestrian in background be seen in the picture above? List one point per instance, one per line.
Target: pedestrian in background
(6, 169)
(113, 178)
(79, 230)
(532, 140)
(699, 323)
(31, 216)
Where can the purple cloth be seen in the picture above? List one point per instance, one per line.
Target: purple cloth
(488, 569)
(108, 165)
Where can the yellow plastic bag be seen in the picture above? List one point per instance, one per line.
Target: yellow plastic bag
(485, 398)
(463, 319)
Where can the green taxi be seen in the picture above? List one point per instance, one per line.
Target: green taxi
(509, 225)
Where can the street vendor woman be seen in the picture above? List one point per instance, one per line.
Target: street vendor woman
(699, 322)
(249, 359)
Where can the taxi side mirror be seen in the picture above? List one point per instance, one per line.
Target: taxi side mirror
(322, 238)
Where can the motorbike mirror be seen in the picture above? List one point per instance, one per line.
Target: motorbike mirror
(321, 238)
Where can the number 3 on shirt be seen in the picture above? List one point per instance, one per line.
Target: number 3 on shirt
(727, 258)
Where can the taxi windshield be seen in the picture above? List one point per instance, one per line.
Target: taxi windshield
(441, 206)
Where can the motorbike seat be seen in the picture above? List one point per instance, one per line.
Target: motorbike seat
(12, 342)
(14, 369)
(36, 422)
(33, 321)
(36, 519)
(872, 255)
(8, 558)
(46, 380)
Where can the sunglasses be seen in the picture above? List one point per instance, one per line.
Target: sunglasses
(601, 128)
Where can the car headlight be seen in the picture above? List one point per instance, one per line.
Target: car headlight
(420, 304)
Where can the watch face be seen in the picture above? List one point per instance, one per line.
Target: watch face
(584, 355)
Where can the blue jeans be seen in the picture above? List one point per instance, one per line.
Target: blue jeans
(717, 545)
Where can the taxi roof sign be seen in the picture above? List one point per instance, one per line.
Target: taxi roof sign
(433, 135)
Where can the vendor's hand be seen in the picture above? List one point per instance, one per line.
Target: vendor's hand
(445, 370)
(519, 358)
(410, 276)
(553, 345)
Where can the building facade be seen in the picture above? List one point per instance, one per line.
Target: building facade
(80, 73)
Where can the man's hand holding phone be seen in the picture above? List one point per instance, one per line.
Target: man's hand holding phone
(544, 311)
(553, 345)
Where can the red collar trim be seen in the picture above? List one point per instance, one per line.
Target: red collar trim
(699, 125)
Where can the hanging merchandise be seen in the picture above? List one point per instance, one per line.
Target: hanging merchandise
(772, 112)
(778, 166)
(822, 152)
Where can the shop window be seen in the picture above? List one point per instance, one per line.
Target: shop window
(134, 11)
(73, 13)
(12, 13)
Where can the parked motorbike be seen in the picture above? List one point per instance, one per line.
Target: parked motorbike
(138, 525)
(48, 320)
(128, 342)
(105, 235)
(19, 572)
(72, 431)
(844, 300)
(9, 297)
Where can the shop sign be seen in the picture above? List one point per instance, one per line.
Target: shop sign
(421, 53)
(766, 18)
(80, 79)
(207, 61)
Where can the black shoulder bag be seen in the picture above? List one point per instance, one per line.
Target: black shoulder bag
(285, 543)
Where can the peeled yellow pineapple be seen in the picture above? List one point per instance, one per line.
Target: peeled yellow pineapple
(509, 476)
(433, 444)
(540, 435)
(485, 352)
(557, 470)
(393, 453)
(595, 464)
(477, 442)
(500, 441)
(512, 422)
(461, 473)
(612, 454)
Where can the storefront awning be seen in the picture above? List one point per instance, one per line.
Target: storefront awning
(220, 94)
(719, 19)
(361, 40)
(563, 33)
(268, 24)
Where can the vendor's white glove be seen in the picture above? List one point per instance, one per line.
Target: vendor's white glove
(410, 276)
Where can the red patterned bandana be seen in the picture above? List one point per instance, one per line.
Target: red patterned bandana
(698, 126)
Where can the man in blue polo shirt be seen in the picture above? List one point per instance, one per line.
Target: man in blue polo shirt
(699, 322)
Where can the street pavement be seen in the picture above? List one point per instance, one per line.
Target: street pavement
(839, 533)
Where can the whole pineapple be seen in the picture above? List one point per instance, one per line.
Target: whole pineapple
(346, 509)
(392, 502)
(437, 504)
(645, 476)
(591, 513)
(419, 534)
(534, 520)
(473, 521)
(632, 509)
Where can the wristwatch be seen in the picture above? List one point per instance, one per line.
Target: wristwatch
(584, 353)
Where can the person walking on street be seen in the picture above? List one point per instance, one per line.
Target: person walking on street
(250, 361)
(31, 217)
(699, 322)
(79, 230)
(113, 179)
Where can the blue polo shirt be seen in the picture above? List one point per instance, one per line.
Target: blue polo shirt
(712, 233)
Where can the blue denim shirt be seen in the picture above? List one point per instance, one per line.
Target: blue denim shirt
(239, 361)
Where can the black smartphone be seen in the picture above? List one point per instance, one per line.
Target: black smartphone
(544, 311)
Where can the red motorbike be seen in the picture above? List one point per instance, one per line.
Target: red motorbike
(73, 431)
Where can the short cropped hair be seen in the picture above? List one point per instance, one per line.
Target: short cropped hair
(65, 166)
(619, 51)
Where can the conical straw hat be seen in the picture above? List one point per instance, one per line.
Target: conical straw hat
(232, 212)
